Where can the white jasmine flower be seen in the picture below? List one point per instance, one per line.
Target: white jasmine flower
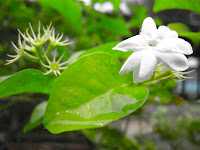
(37, 39)
(54, 66)
(21, 52)
(56, 39)
(152, 46)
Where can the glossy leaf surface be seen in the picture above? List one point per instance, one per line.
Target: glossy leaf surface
(90, 93)
(36, 116)
(160, 5)
(26, 81)
(70, 9)
(74, 57)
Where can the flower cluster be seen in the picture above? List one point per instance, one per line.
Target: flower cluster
(34, 50)
(152, 46)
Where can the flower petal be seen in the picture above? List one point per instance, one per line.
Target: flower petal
(175, 44)
(132, 62)
(173, 60)
(147, 66)
(134, 43)
(136, 75)
(164, 31)
(148, 27)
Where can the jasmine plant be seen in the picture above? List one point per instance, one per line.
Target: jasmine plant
(91, 92)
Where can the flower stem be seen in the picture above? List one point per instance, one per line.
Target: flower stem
(30, 57)
(162, 76)
(50, 48)
(40, 56)
(39, 52)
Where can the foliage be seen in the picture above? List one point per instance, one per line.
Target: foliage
(29, 80)
(108, 49)
(36, 116)
(111, 138)
(93, 96)
(161, 5)
(90, 93)
(184, 31)
(67, 8)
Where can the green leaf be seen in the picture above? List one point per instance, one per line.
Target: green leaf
(140, 13)
(179, 27)
(90, 93)
(29, 81)
(36, 116)
(70, 9)
(61, 50)
(108, 48)
(184, 31)
(114, 25)
(110, 26)
(160, 5)
(74, 57)
(4, 77)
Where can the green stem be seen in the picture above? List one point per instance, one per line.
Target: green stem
(50, 48)
(30, 57)
(39, 52)
(162, 76)
(40, 55)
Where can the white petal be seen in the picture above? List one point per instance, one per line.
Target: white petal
(148, 27)
(175, 44)
(136, 75)
(174, 61)
(164, 31)
(134, 43)
(147, 66)
(132, 62)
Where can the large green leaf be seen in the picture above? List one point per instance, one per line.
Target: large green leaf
(29, 81)
(108, 48)
(184, 31)
(70, 9)
(36, 116)
(90, 93)
(160, 5)
(74, 57)
(4, 77)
